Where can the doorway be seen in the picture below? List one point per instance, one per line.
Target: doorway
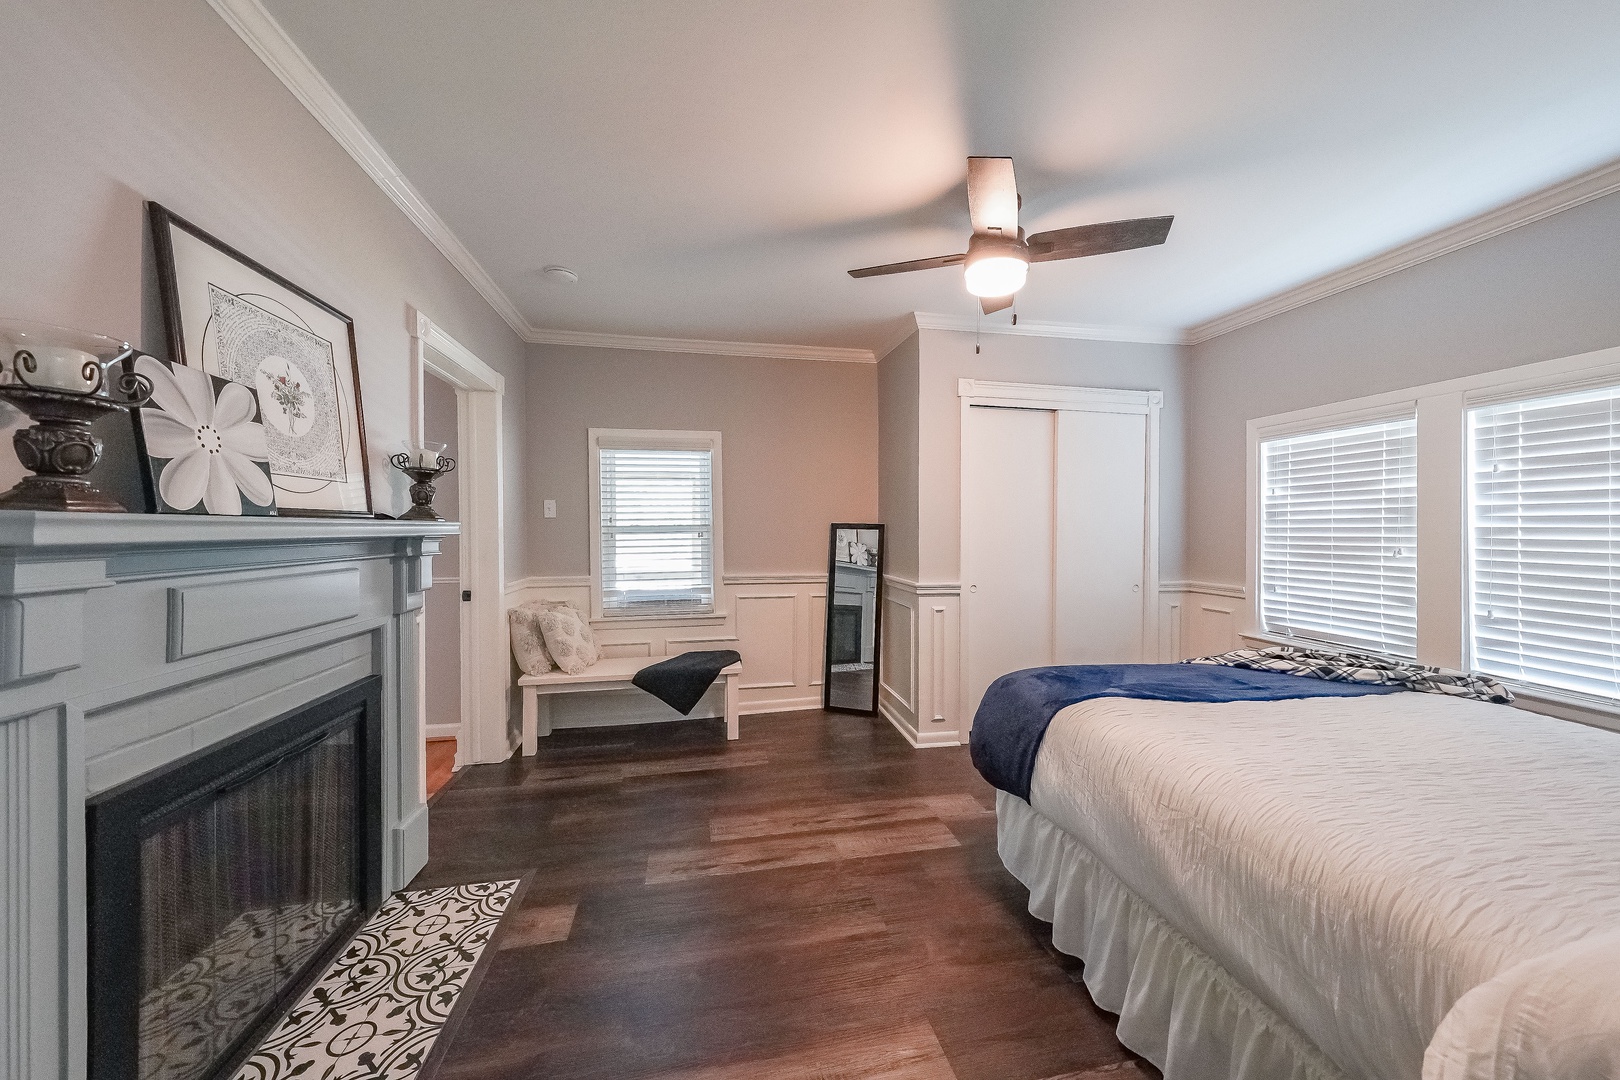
(469, 570)
(442, 604)
(1059, 529)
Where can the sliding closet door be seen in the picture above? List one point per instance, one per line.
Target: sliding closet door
(1007, 515)
(1101, 532)
(1056, 538)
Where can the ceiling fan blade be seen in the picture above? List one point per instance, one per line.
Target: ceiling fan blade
(1099, 239)
(993, 195)
(903, 267)
(992, 304)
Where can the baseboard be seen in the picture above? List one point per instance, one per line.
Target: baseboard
(410, 839)
(444, 731)
(761, 708)
(919, 741)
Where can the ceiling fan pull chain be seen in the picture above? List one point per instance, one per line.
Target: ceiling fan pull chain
(978, 328)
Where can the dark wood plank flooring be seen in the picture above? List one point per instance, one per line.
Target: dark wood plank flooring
(816, 901)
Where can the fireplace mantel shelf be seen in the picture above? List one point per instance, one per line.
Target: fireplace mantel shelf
(23, 529)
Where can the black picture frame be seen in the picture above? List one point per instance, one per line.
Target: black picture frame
(162, 221)
(877, 618)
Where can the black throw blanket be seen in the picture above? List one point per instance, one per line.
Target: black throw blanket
(681, 681)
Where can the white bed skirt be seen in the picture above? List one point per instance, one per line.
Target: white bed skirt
(1177, 1007)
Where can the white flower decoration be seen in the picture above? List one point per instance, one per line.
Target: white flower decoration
(211, 445)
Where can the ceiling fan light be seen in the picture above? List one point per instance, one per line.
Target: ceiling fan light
(996, 275)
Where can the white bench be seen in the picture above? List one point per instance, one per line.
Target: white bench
(613, 673)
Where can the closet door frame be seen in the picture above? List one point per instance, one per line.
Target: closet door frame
(1148, 403)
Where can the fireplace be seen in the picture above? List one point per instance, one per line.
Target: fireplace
(221, 884)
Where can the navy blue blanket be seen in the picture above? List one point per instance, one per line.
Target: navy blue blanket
(1017, 708)
(681, 681)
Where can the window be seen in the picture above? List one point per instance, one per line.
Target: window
(656, 512)
(1338, 536)
(1544, 512)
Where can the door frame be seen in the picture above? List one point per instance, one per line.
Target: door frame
(485, 734)
(1046, 397)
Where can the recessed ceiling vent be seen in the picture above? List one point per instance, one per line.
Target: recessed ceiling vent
(560, 275)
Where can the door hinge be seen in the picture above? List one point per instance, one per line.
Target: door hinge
(466, 594)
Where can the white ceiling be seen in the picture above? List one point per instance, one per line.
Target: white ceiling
(711, 168)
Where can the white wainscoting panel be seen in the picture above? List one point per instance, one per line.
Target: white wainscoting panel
(766, 624)
(897, 685)
(920, 690)
(775, 621)
(1198, 618)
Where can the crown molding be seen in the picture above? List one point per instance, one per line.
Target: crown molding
(259, 29)
(892, 341)
(1144, 335)
(1593, 184)
(757, 349)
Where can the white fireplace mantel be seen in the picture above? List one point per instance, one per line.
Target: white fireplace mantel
(128, 641)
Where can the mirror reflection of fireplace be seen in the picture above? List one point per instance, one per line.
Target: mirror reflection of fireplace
(221, 885)
(854, 618)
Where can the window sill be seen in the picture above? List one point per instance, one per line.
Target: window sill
(1567, 705)
(607, 622)
(1561, 704)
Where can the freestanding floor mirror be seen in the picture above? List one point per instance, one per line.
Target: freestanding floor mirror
(854, 618)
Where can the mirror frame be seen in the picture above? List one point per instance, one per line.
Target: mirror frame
(877, 618)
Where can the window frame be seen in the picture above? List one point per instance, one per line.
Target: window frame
(1443, 538)
(656, 439)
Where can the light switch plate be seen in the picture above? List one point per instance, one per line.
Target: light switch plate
(551, 508)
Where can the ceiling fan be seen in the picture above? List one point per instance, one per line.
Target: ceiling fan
(998, 255)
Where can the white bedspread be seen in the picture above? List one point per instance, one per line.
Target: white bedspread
(1361, 864)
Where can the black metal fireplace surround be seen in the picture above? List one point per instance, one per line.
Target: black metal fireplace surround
(222, 884)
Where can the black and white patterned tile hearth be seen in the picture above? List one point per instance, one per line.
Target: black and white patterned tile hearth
(376, 1011)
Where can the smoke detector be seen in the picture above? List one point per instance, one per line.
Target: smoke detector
(560, 275)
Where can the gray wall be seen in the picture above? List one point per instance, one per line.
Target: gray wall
(108, 104)
(799, 441)
(1547, 290)
(947, 355)
(898, 450)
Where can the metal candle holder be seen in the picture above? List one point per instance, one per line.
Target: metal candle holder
(422, 486)
(60, 448)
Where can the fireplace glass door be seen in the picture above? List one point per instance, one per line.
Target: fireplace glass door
(244, 882)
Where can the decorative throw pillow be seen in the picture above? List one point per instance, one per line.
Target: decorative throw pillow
(593, 652)
(528, 645)
(568, 639)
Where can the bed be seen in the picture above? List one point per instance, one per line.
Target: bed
(1383, 886)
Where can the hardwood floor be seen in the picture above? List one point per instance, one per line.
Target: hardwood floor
(817, 901)
(441, 763)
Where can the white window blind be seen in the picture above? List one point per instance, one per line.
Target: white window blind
(1338, 536)
(1545, 521)
(657, 529)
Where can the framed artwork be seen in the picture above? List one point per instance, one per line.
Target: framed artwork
(232, 318)
(202, 443)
